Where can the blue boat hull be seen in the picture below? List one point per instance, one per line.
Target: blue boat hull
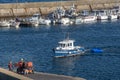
(65, 53)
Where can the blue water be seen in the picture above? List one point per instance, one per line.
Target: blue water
(22, 1)
(36, 43)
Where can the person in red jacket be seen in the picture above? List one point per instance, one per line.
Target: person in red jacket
(20, 66)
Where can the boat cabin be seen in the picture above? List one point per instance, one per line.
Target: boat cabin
(35, 17)
(66, 45)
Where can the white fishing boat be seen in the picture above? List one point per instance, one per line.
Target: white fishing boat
(44, 21)
(65, 21)
(31, 21)
(78, 20)
(102, 15)
(71, 12)
(89, 18)
(66, 48)
(4, 23)
(112, 14)
(34, 23)
(14, 23)
(34, 20)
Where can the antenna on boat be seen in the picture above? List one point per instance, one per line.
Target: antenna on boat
(67, 36)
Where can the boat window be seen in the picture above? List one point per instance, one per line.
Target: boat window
(62, 45)
(36, 16)
(70, 44)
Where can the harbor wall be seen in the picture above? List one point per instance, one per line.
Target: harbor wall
(8, 75)
(28, 9)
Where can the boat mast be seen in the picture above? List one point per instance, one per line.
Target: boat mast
(67, 36)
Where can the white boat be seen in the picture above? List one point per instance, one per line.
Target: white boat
(34, 20)
(71, 12)
(31, 21)
(78, 20)
(65, 21)
(44, 21)
(111, 17)
(66, 48)
(34, 23)
(102, 15)
(4, 23)
(89, 18)
(14, 23)
(112, 14)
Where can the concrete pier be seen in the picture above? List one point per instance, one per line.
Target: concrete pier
(8, 75)
(28, 9)
(47, 76)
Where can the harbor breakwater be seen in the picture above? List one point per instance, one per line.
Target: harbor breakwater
(9, 75)
(28, 9)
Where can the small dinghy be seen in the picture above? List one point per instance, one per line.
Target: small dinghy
(96, 50)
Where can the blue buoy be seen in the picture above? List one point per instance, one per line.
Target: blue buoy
(96, 50)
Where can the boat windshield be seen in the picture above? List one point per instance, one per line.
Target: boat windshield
(66, 45)
(36, 15)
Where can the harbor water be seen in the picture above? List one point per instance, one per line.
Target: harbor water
(36, 43)
(22, 1)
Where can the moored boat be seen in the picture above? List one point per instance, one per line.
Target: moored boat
(44, 21)
(67, 48)
(78, 20)
(111, 17)
(102, 15)
(112, 14)
(14, 23)
(89, 18)
(4, 23)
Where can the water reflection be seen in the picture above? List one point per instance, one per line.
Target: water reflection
(4, 28)
(65, 65)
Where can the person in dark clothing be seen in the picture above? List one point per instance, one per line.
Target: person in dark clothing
(21, 65)
(24, 68)
(10, 66)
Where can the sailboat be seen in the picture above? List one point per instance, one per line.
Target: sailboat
(66, 48)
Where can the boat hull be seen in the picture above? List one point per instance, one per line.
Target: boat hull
(65, 53)
(103, 17)
(111, 17)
